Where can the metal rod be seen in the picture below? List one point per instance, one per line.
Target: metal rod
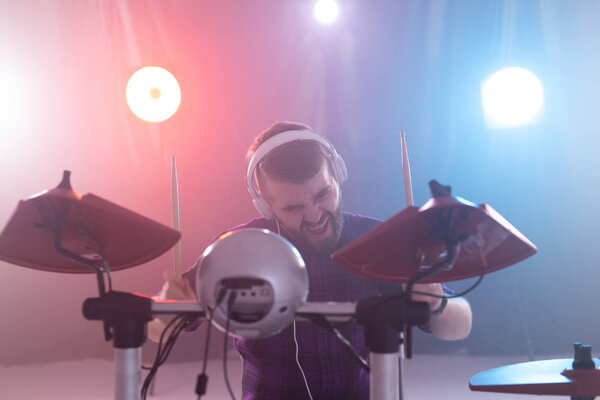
(128, 373)
(384, 384)
(172, 308)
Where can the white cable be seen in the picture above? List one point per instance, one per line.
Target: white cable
(300, 366)
(277, 225)
(295, 339)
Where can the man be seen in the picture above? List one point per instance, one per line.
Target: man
(294, 177)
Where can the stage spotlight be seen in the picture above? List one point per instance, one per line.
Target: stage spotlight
(153, 94)
(326, 11)
(512, 97)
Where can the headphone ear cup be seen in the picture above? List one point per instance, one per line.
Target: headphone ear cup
(262, 207)
(339, 169)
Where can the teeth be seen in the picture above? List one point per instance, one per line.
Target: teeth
(319, 227)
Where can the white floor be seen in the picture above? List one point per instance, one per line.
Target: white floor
(426, 377)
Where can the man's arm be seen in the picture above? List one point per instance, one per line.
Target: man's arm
(454, 322)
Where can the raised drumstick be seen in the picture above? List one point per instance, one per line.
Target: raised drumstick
(408, 193)
(175, 216)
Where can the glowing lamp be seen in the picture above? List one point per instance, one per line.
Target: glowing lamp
(326, 11)
(512, 97)
(153, 94)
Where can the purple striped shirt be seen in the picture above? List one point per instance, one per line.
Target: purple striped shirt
(270, 369)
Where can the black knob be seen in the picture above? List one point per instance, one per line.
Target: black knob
(583, 356)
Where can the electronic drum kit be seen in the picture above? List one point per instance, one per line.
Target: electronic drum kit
(446, 239)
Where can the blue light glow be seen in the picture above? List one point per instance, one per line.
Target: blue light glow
(512, 97)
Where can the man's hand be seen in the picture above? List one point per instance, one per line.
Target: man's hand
(433, 288)
(176, 288)
(454, 323)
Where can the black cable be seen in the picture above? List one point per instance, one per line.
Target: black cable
(180, 322)
(179, 327)
(55, 221)
(153, 368)
(160, 353)
(107, 269)
(394, 297)
(322, 322)
(84, 230)
(202, 379)
(230, 302)
(464, 292)
(455, 295)
(207, 341)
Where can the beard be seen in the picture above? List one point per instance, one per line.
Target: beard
(302, 241)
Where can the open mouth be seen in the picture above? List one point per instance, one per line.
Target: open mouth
(318, 228)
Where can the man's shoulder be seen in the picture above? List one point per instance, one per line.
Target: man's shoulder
(359, 224)
(360, 219)
(261, 223)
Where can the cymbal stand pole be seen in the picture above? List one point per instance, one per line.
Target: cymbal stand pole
(127, 314)
(128, 373)
(89, 263)
(55, 221)
(384, 318)
(124, 316)
(385, 373)
(82, 260)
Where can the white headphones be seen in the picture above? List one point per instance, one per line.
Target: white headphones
(338, 166)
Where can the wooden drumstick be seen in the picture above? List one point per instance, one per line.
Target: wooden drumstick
(175, 216)
(408, 193)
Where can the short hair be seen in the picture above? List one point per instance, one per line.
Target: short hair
(295, 161)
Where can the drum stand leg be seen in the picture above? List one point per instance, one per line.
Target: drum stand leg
(401, 368)
(385, 372)
(128, 373)
(127, 314)
(384, 319)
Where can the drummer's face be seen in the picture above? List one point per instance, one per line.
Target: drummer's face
(309, 211)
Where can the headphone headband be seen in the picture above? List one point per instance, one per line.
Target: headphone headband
(336, 162)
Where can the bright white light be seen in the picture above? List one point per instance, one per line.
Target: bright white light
(326, 11)
(5, 101)
(15, 106)
(512, 97)
(153, 94)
